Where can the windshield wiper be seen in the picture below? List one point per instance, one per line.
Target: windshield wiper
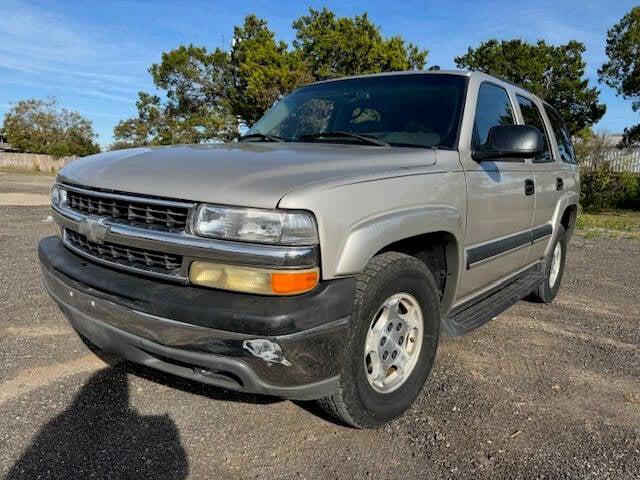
(371, 140)
(261, 136)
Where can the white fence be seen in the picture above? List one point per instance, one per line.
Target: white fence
(32, 161)
(620, 160)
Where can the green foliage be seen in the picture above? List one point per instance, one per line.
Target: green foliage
(622, 71)
(628, 191)
(601, 188)
(262, 70)
(590, 147)
(196, 108)
(39, 126)
(554, 73)
(207, 94)
(595, 188)
(339, 46)
(165, 124)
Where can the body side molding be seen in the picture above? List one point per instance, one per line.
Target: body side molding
(482, 253)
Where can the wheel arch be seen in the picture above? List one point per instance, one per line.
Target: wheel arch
(431, 234)
(565, 214)
(568, 218)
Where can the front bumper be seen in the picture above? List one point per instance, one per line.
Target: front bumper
(289, 347)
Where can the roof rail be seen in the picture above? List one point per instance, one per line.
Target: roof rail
(506, 80)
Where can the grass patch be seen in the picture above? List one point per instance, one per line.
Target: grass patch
(609, 224)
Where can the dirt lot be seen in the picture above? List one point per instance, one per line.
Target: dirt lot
(541, 392)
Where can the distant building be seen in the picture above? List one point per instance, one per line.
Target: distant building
(613, 139)
(4, 146)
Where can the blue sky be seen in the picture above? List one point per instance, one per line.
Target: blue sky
(93, 55)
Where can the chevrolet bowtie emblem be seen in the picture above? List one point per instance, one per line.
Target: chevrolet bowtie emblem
(94, 229)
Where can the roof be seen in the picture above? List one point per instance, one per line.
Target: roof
(464, 73)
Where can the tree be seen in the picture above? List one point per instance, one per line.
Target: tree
(339, 46)
(196, 106)
(160, 123)
(622, 71)
(553, 73)
(39, 126)
(207, 94)
(262, 69)
(145, 128)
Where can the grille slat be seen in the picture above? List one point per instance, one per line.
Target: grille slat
(135, 212)
(145, 260)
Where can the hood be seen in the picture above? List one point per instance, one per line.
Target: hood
(252, 174)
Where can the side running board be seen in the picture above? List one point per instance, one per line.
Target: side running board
(477, 312)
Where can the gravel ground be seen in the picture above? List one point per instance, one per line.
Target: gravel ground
(543, 391)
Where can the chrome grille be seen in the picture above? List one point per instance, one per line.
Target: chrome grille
(129, 257)
(136, 211)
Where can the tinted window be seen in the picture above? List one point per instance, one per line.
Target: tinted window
(563, 137)
(403, 110)
(493, 108)
(532, 116)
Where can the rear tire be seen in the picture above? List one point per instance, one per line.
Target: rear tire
(553, 268)
(369, 397)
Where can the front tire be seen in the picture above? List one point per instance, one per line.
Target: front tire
(553, 268)
(391, 344)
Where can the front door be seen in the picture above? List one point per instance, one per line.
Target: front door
(500, 203)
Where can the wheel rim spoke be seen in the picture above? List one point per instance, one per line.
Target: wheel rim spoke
(554, 269)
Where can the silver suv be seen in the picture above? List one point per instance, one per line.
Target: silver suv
(321, 256)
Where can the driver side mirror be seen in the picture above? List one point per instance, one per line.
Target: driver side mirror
(510, 143)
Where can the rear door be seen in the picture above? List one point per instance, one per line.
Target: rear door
(548, 181)
(499, 211)
(565, 155)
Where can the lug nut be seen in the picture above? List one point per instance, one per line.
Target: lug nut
(400, 340)
(385, 355)
(394, 354)
(390, 327)
(399, 327)
(383, 341)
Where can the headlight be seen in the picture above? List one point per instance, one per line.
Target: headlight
(255, 225)
(58, 196)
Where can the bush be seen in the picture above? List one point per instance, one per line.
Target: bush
(601, 188)
(629, 191)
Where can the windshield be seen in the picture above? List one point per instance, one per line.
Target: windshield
(411, 110)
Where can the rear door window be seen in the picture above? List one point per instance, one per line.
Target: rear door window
(563, 137)
(532, 116)
(493, 109)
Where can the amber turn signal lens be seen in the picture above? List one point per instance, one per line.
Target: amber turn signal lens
(287, 283)
(253, 280)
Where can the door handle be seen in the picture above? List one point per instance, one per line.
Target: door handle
(559, 184)
(529, 187)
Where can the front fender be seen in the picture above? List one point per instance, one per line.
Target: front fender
(375, 233)
(358, 219)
